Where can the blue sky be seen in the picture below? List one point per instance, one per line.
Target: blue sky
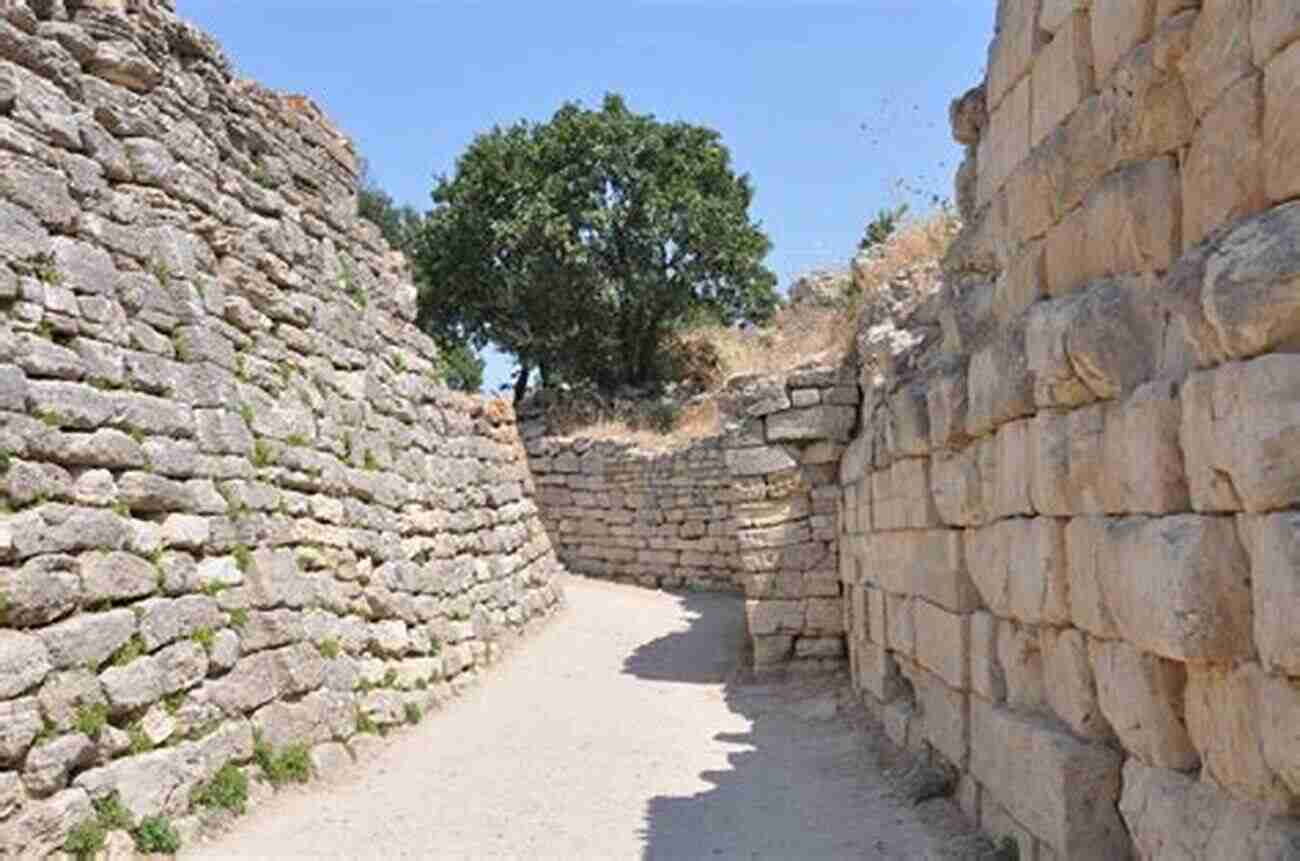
(827, 105)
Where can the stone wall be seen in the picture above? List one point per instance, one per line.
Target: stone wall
(1069, 526)
(751, 510)
(236, 501)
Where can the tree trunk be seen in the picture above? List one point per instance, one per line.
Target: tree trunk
(521, 383)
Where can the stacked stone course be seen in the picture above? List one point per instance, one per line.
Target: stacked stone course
(237, 502)
(1069, 525)
(750, 510)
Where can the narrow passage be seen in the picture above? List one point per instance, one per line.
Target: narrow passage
(621, 731)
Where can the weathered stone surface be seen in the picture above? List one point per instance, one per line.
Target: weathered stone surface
(42, 827)
(1223, 173)
(1273, 25)
(1063, 789)
(116, 577)
(1173, 816)
(1069, 683)
(260, 678)
(48, 765)
(1219, 54)
(820, 422)
(146, 680)
(1141, 696)
(88, 640)
(1118, 26)
(24, 663)
(20, 722)
(763, 460)
(946, 644)
(1063, 70)
(1273, 545)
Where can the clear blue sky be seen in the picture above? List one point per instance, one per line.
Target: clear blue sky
(827, 105)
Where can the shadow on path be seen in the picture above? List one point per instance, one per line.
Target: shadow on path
(808, 781)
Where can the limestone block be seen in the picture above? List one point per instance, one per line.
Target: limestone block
(857, 459)
(943, 713)
(24, 663)
(1219, 54)
(771, 650)
(877, 672)
(771, 617)
(1020, 658)
(946, 403)
(911, 506)
(761, 460)
(1172, 816)
(1069, 684)
(1141, 696)
(20, 723)
(811, 423)
(825, 616)
(1273, 545)
(985, 668)
(942, 642)
(1063, 70)
(1057, 13)
(1032, 207)
(999, 384)
(925, 563)
(1226, 720)
(1279, 707)
(1023, 282)
(88, 639)
(1012, 53)
(1119, 26)
(1012, 482)
(908, 430)
(956, 487)
(1143, 471)
(877, 621)
(1006, 143)
(1056, 380)
(1035, 586)
(899, 625)
(41, 827)
(1273, 25)
(1237, 424)
(1223, 173)
(1048, 454)
(1063, 789)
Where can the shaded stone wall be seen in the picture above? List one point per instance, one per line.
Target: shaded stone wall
(752, 509)
(234, 498)
(1069, 528)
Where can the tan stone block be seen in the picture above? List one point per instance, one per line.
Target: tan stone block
(1064, 790)
(901, 631)
(956, 485)
(1273, 545)
(877, 624)
(770, 617)
(1250, 284)
(1141, 696)
(968, 797)
(1068, 265)
(1068, 682)
(1144, 471)
(878, 672)
(1088, 486)
(1048, 453)
(1192, 602)
(946, 402)
(944, 714)
(987, 679)
(1166, 811)
(942, 642)
(1012, 53)
(1020, 659)
(1238, 424)
(1031, 191)
(1063, 74)
(1145, 101)
(1056, 382)
(1223, 172)
(1011, 488)
(772, 650)
(999, 385)
(926, 563)
(1281, 152)
(910, 481)
(824, 616)
(1057, 13)
(986, 550)
(1219, 54)
(1274, 25)
(1006, 143)
(908, 430)
(1119, 26)
(1089, 552)
(1022, 284)
(1279, 718)
(1224, 720)
(1037, 574)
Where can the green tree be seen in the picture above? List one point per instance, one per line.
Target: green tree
(883, 226)
(400, 225)
(576, 245)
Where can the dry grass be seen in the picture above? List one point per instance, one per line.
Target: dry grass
(797, 335)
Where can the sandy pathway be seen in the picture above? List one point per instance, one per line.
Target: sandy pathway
(612, 735)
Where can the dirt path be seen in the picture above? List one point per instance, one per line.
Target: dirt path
(615, 734)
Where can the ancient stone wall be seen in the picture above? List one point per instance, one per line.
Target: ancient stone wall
(752, 509)
(236, 501)
(1069, 527)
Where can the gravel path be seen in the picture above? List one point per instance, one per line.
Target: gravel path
(621, 731)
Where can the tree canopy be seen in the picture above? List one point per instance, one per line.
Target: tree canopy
(578, 244)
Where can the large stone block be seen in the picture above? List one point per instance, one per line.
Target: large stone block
(1274, 25)
(1006, 142)
(1019, 568)
(925, 563)
(811, 423)
(1064, 790)
(877, 672)
(1223, 172)
(944, 714)
(1063, 75)
(986, 675)
(999, 383)
(1142, 697)
(760, 460)
(1143, 470)
(1219, 54)
(1089, 553)
(1068, 679)
(772, 617)
(1012, 53)
(1273, 544)
(1175, 586)
(957, 488)
(1172, 816)
(1020, 659)
(1012, 481)
(1119, 26)
(942, 642)
(1238, 424)
(1225, 720)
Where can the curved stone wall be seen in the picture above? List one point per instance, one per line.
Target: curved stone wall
(1070, 523)
(237, 503)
